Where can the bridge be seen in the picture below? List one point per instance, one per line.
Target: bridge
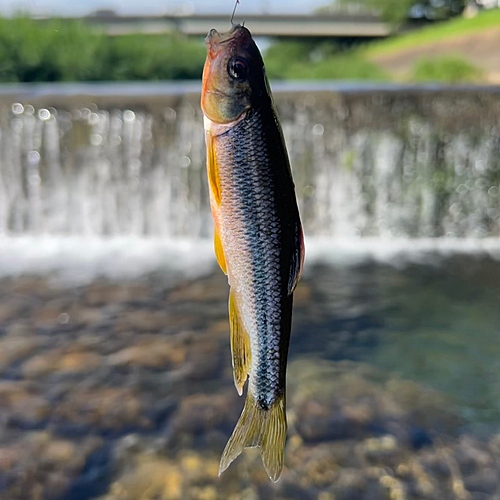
(283, 26)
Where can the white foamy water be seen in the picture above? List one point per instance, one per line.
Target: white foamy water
(129, 161)
(397, 252)
(80, 260)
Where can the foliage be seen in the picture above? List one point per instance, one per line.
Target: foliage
(139, 57)
(435, 33)
(284, 55)
(68, 50)
(313, 60)
(393, 11)
(397, 11)
(51, 51)
(338, 67)
(445, 69)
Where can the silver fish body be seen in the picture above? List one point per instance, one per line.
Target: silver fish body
(260, 232)
(257, 236)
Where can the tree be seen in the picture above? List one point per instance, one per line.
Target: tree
(398, 11)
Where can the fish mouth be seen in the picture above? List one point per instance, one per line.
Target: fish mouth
(214, 35)
(214, 40)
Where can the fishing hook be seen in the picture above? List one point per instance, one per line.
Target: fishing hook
(234, 10)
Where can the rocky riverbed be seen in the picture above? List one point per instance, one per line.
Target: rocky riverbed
(122, 390)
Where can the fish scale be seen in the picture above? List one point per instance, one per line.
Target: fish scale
(258, 236)
(249, 184)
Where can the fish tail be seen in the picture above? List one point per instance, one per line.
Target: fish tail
(257, 427)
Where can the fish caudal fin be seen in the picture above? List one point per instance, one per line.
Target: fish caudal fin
(240, 346)
(265, 429)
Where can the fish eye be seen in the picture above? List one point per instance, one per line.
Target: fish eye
(237, 68)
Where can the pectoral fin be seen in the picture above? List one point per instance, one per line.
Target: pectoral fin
(296, 259)
(219, 251)
(240, 346)
(213, 174)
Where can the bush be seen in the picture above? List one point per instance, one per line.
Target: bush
(169, 57)
(55, 50)
(445, 69)
(282, 55)
(68, 50)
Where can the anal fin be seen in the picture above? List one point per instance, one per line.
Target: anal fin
(240, 346)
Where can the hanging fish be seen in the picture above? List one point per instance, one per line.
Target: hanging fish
(258, 235)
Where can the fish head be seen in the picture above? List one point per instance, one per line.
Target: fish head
(233, 77)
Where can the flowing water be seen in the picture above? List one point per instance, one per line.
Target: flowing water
(380, 163)
(115, 372)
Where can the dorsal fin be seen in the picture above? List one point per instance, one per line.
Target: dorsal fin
(296, 259)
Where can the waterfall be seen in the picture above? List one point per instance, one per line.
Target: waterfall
(367, 162)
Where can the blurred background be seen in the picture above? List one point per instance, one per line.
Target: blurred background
(115, 371)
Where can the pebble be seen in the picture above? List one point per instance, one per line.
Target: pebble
(151, 353)
(99, 294)
(200, 413)
(15, 347)
(142, 321)
(61, 361)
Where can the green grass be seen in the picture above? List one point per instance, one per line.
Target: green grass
(337, 67)
(445, 69)
(311, 60)
(456, 27)
(306, 60)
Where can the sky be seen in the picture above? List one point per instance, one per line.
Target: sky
(128, 7)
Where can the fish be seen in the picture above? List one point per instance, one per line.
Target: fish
(258, 235)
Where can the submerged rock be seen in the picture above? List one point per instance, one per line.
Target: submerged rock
(150, 352)
(201, 413)
(22, 404)
(62, 361)
(142, 321)
(40, 466)
(348, 400)
(189, 475)
(105, 408)
(15, 347)
(99, 294)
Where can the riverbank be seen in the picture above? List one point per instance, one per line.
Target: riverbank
(458, 50)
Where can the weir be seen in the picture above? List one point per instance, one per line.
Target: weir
(368, 161)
